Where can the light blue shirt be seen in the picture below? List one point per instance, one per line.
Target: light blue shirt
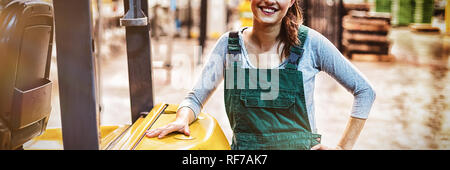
(319, 55)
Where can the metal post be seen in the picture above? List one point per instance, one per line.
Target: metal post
(76, 74)
(203, 24)
(139, 65)
(189, 20)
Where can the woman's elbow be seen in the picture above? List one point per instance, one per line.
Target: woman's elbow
(367, 94)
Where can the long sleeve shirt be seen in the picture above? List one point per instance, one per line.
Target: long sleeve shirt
(319, 55)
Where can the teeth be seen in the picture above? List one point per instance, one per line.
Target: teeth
(268, 10)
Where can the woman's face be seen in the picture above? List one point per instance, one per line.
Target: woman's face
(270, 11)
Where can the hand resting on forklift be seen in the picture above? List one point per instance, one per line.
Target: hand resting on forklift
(184, 118)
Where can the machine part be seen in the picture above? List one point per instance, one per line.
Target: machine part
(139, 66)
(134, 16)
(155, 117)
(76, 74)
(203, 24)
(52, 139)
(206, 133)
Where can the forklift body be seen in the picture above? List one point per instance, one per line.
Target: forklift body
(206, 134)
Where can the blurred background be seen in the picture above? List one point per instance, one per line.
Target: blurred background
(401, 46)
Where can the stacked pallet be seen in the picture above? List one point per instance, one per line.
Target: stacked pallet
(365, 36)
(418, 27)
(356, 7)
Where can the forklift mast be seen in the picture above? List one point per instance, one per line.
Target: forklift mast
(76, 68)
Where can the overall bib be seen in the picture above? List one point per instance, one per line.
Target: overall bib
(276, 124)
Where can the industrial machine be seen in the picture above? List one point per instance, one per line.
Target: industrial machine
(205, 134)
(26, 36)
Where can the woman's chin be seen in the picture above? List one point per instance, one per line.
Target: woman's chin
(268, 21)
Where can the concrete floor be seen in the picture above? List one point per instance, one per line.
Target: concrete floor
(411, 110)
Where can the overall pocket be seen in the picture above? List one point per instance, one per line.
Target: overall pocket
(254, 115)
(252, 99)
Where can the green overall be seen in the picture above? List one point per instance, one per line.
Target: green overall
(277, 124)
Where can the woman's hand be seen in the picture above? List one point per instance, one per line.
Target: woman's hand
(323, 147)
(184, 117)
(178, 125)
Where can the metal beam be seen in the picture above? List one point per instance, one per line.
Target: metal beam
(139, 65)
(203, 28)
(76, 74)
(189, 20)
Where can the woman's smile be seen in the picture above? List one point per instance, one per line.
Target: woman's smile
(268, 10)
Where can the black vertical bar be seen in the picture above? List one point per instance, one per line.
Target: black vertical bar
(139, 66)
(203, 23)
(76, 76)
(189, 20)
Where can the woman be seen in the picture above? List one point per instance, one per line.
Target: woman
(287, 120)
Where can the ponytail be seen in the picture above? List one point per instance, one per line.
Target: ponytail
(289, 28)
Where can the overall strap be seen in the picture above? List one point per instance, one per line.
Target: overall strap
(297, 51)
(234, 46)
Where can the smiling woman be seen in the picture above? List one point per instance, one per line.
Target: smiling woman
(277, 54)
(273, 12)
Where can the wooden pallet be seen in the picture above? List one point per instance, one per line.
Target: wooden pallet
(373, 57)
(367, 48)
(365, 36)
(424, 28)
(361, 37)
(372, 16)
(352, 23)
(359, 27)
(357, 6)
(366, 21)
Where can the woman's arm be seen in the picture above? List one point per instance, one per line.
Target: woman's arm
(211, 77)
(348, 139)
(190, 107)
(330, 60)
(351, 133)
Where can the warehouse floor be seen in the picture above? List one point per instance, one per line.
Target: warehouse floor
(411, 110)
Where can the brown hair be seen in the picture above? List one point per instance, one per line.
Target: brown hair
(289, 28)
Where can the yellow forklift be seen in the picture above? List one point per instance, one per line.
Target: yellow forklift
(26, 35)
